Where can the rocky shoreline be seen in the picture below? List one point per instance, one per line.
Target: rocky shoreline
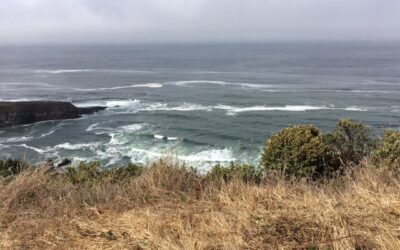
(26, 112)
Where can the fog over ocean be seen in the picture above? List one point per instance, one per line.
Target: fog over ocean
(204, 104)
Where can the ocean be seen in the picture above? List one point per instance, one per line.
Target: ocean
(201, 103)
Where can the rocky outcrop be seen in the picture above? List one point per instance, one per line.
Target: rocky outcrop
(18, 113)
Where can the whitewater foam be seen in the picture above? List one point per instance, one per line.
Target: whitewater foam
(144, 85)
(17, 139)
(92, 127)
(61, 71)
(232, 110)
(355, 108)
(125, 105)
(133, 106)
(69, 146)
(169, 138)
(46, 134)
(37, 150)
(210, 155)
(41, 84)
(180, 107)
(131, 128)
(158, 136)
(293, 108)
(65, 71)
(220, 83)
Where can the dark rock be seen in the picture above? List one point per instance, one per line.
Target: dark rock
(64, 163)
(18, 113)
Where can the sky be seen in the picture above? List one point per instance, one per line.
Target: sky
(163, 21)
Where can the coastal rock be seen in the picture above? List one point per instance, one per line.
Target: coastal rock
(64, 163)
(19, 113)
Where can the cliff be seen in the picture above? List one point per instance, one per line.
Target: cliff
(18, 113)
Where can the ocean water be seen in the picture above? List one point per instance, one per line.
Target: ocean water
(202, 104)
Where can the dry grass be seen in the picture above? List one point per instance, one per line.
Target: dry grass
(168, 207)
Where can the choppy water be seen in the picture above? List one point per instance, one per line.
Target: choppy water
(204, 103)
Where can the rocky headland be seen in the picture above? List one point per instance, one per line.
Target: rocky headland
(19, 113)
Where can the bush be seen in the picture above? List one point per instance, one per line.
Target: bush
(245, 172)
(92, 172)
(10, 167)
(351, 141)
(298, 151)
(388, 150)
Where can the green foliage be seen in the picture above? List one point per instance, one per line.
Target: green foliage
(351, 141)
(388, 150)
(297, 151)
(123, 172)
(84, 172)
(245, 172)
(92, 172)
(9, 167)
(305, 151)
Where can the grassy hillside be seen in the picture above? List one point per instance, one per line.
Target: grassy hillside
(312, 190)
(166, 206)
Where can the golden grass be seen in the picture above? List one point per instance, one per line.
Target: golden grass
(168, 207)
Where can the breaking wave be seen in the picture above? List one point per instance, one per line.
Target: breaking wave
(61, 71)
(66, 71)
(167, 107)
(41, 84)
(232, 110)
(78, 146)
(289, 108)
(145, 85)
(135, 106)
(220, 83)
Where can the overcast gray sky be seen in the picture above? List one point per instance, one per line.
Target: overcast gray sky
(127, 21)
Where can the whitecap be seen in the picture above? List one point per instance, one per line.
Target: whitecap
(116, 139)
(145, 85)
(184, 83)
(92, 127)
(210, 155)
(232, 110)
(293, 108)
(355, 108)
(61, 71)
(169, 138)
(46, 134)
(38, 150)
(158, 136)
(131, 128)
(41, 84)
(69, 146)
(289, 108)
(17, 139)
(221, 83)
(181, 107)
(126, 105)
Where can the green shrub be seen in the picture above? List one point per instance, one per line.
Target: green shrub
(245, 172)
(388, 150)
(351, 141)
(297, 151)
(10, 167)
(92, 172)
(84, 172)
